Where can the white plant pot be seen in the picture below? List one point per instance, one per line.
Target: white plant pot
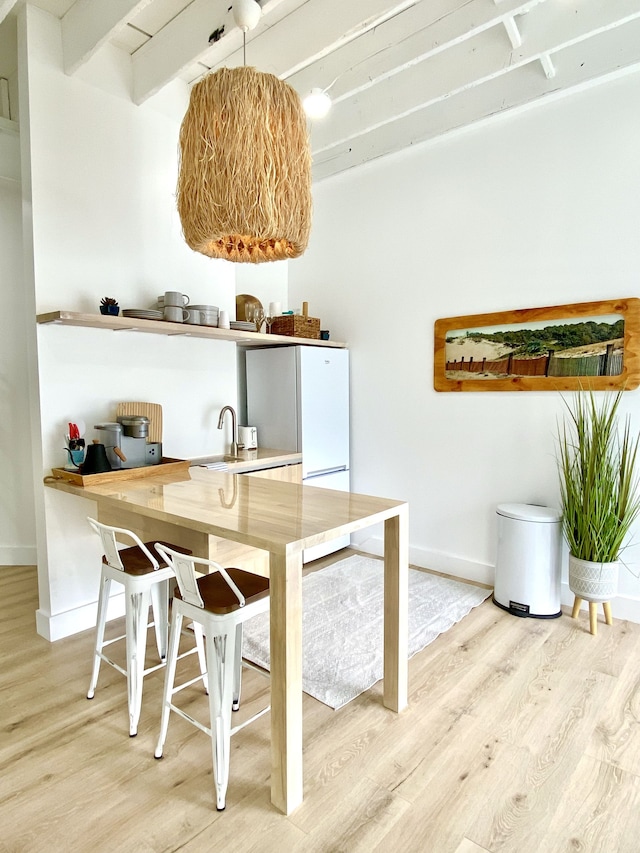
(593, 581)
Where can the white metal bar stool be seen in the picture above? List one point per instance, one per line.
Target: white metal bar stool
(146, 581)
(218, 603)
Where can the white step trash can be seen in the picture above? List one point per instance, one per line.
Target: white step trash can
(528, 561)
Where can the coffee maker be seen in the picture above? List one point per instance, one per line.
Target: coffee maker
(126, 442)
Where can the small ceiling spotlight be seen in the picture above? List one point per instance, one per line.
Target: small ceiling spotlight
(317, 103)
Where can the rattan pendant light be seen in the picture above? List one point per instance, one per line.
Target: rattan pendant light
(244, 185)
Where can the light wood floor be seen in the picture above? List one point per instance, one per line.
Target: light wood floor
(522, 735)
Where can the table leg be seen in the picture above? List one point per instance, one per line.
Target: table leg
(286, 680)
(396, 600)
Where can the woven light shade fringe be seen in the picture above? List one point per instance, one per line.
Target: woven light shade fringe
(244, 185)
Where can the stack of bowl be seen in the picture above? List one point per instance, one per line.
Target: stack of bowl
(198, 315)
(208, 314)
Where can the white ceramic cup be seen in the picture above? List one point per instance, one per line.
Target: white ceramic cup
(175, 314)
(194, 317)
(223, 320)
(174, 297)
(275, 309)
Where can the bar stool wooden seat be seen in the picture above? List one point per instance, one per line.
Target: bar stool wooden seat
(146, 582)
(218, 603)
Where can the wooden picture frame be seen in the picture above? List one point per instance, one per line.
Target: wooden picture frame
(497, 351)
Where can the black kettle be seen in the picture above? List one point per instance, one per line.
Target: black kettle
(95, 461)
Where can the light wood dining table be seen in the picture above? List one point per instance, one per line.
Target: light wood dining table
(193, 507)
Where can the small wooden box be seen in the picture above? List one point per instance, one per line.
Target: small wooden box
(297, 325)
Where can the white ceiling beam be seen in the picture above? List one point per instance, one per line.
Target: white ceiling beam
(331, 24)
(294, 44)
(441, 74)
(419, 33)
(184, 41)
(280, 44)
(513, 32)
(465, 67)
(555, 26)
(606, 56)
(5, 7)
(228, 50)
(547, 66)
(91, 23)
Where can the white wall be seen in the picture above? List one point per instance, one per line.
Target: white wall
(17, 530)
(539, 208)
(268, 282)
(9, 63)
(101, 176)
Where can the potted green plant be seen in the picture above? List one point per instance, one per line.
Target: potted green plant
(597, 464)
(108, 305)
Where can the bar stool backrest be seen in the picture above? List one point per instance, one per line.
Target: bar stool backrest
(184, 567)
(108, 536)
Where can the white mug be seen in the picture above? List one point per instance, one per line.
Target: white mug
(223, 320)
(175, 314)
(194, 317)
(174, 297)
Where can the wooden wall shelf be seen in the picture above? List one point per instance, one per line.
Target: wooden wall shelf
(163, 327)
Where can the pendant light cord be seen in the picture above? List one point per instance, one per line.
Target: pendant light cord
(244, 48)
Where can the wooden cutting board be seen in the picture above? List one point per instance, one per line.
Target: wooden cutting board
(153, 411)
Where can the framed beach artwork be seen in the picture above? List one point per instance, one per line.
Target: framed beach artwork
(592, 345)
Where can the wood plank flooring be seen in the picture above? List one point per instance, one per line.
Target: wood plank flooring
(522, 736)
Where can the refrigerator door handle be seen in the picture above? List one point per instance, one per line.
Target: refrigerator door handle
(322, 471)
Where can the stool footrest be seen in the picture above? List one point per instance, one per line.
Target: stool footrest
(190, 719)
(250, 720)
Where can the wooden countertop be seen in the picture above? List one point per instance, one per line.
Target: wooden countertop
(255, 511)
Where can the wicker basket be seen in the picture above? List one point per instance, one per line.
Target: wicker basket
(297, 325)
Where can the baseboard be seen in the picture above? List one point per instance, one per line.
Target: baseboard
(60, 625)
(18, 555)
(622, 607)
(447, 564)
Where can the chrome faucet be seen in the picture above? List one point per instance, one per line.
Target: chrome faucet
(234, 428)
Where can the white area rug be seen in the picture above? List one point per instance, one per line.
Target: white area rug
(342, 625)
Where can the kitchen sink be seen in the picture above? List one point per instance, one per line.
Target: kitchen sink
(220, 461)
(245, 463)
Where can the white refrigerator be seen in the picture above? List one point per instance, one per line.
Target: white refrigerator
(298, 398)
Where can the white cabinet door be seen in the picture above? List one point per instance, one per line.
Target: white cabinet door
(323, 392)
(339, 481)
